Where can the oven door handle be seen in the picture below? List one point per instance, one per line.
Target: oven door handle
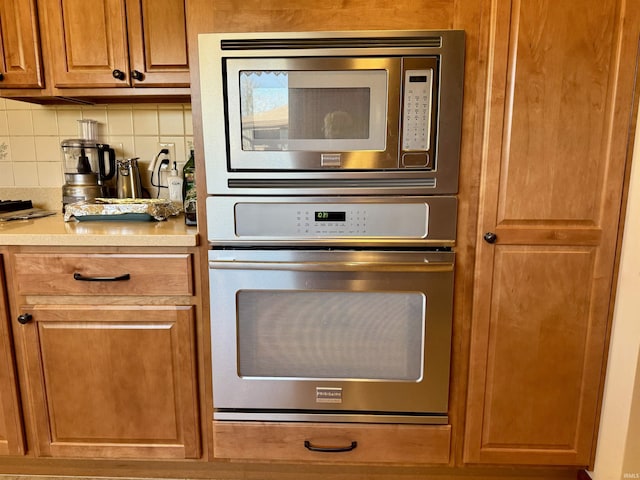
(334, 266)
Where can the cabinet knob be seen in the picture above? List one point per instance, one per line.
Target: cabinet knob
(118, 74)
(137, 75)
(1, 77)
(490, 237)
(25, 318)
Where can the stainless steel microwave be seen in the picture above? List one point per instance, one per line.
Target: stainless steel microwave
(379, 111)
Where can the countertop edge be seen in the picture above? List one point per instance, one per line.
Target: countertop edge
(53, 231)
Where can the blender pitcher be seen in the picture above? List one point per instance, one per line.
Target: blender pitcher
(95, 161)
(81, 176)
(88, 165)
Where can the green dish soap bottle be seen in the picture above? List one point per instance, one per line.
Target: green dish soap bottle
(189, 191)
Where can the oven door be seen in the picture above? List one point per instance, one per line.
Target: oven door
(331, 335)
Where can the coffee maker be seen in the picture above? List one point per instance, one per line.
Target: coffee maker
(88, 165)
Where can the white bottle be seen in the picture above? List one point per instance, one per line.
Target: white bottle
(175, 185)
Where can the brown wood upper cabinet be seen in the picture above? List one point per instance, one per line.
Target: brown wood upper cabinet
(19, 45)
(117, 43)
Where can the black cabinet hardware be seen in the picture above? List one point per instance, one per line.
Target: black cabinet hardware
(490, 237)
(308, 446)
(79, 276)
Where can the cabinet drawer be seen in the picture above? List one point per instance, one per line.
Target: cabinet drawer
(410, 444)
(103, 274)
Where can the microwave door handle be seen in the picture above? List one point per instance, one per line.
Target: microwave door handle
(335, 266)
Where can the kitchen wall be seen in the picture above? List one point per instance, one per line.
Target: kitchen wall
(619, 438)
(30, 136)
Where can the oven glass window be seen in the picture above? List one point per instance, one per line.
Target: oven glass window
(331, 335)
(313, 110)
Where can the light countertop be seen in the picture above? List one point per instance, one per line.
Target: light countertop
(54, 231)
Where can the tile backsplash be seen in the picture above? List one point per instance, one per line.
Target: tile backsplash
(30, 136)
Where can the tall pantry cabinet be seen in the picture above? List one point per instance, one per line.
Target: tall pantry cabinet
(559, 104)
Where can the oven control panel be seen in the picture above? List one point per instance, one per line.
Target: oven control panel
(319, 220)
(337, 221)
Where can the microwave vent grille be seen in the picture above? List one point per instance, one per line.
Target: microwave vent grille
(312, 43)
(333, 183)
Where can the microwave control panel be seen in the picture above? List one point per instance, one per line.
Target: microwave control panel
(416, 121)
(419, 85)
(319, 220)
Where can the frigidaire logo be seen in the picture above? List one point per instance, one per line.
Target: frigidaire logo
(328, 395)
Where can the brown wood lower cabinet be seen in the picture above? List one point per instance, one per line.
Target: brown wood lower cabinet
(112, 381)
(105, 346)
(314, 442)
(11, 441)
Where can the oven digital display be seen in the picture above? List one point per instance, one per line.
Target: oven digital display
(330, 216)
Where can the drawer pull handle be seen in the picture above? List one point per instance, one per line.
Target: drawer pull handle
(79, 276)
(308, 446)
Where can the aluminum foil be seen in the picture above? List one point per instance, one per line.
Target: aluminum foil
(121, 209)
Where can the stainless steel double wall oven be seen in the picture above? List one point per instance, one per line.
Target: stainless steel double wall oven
(332, 172)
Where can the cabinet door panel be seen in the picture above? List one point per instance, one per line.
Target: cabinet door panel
(20, 46)
(158, 42)
(113, 381)
(87, 42)
(555, 154)
(11, 439)
(560, 96)
(538, 367)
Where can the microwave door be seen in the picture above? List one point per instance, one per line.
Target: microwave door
(313, 113)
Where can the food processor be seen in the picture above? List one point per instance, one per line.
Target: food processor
(88, 165)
